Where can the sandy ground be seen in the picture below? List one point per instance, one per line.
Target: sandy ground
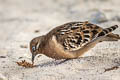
(19, 19)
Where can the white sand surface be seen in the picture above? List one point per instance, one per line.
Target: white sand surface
(20, 18)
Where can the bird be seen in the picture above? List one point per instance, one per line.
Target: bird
(71, 40)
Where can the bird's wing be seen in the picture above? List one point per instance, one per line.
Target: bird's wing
(74, 35)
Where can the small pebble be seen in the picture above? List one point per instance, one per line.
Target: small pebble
(36, 31)
(3, 61)
(2, 56)
(20, 57)
(23, 46)
(116, 18)
(98, 17)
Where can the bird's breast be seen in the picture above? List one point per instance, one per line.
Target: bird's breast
(54, 50)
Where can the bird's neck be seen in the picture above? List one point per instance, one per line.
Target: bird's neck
(44, 41)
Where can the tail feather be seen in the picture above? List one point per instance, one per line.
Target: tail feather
(106, 31)
(108, 35)
(102, 36)
(112, 37)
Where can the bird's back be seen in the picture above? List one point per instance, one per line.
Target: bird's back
(74, 35)
(73, 39)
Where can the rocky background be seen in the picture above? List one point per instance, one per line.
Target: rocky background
(22, 20)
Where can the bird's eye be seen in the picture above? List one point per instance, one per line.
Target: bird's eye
(33, 49)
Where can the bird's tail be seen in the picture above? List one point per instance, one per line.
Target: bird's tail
(106, 31)
(102, 36)
(108, 35)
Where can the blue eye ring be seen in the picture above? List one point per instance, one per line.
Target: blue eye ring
(33, 48)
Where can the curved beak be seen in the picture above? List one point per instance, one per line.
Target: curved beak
(33, 57)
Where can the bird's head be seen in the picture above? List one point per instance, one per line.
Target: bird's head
(35, 45)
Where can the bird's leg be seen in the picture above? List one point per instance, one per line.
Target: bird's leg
(64, 61)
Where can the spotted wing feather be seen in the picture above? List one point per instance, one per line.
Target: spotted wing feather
(74, 35)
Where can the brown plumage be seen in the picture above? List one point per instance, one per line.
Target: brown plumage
(71, 40)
